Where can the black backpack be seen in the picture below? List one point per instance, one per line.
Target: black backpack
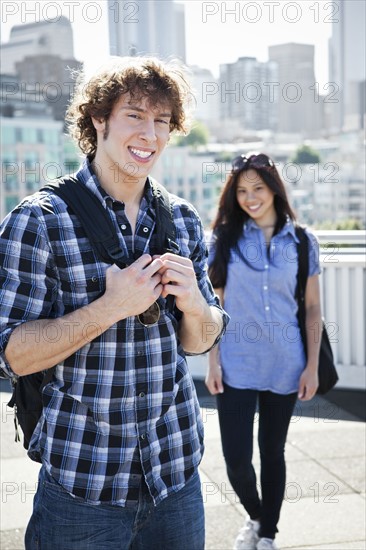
(327, 372)
(27, 390)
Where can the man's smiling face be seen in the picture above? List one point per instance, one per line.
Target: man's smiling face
(133, 138)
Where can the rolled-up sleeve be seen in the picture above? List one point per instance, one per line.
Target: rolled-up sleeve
(27, 287)
(314, 251)
(198, 253)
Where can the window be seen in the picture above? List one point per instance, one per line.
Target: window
(18, 135)
(40, 137)
(52, 137)
(11, 202)
(10, 170)
(10, 179)
(31, 170)
(30, 135)
(8, 136)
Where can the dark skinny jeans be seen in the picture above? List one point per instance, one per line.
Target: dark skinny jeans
(237, 410)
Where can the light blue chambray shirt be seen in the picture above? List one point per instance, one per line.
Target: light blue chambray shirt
(262, 348)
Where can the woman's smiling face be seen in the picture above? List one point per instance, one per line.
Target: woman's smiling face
(256, 198)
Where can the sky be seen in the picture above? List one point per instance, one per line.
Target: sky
(216, 31)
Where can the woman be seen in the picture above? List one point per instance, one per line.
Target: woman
(261, 361)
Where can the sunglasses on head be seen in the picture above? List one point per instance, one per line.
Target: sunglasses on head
(254, 161)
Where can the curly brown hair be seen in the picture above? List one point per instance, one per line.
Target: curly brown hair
(163, 83)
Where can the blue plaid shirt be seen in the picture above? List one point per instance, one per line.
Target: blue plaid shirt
(123, 406)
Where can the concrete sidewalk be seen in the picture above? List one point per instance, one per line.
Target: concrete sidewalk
(324, 506)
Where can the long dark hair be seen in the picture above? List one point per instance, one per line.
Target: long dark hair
(228, 224)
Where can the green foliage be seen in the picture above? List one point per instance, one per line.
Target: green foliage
(224, 156)
(198, 136)
(344, 225)
(306, 155)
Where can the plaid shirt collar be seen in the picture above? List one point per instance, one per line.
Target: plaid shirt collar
(87, 175)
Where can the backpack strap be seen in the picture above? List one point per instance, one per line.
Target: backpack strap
(303, 261)
(165, 226)
(302, 276)
(94, 218)
(100, 229)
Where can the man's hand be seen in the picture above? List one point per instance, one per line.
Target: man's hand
(132, 290)
(179, 279)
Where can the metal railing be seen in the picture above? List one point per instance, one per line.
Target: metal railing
(343, 264)
(343, 302)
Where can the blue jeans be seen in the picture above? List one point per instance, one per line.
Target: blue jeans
(236, 414)
(60, 522)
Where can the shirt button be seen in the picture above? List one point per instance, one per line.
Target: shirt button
(265, 287)
(267, 308)
(123, 227)
(94, 279)
(141, 394)
(143, 437)
(145, 229)
(266, 266)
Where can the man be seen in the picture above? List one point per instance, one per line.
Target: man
(120, 434)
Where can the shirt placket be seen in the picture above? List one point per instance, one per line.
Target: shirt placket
(141, 389)
(266, 280)
(136, 245)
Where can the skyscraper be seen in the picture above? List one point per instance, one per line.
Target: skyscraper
(347, 65)
(299, 107)
(207, 96)
(154, 27)
(248, 95)
(39, 38)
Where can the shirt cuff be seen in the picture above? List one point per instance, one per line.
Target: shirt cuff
(225, 319)
(5, 369)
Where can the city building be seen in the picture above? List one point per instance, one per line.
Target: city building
(39, 38)
(248, 93)
(207, 97)
(32, 154)
(156, 27)
(51, 77)
(347, 65)
(330, 191)
(193, 175)
(319, 192)
(299, 107)
(34, 151)
(35, 89)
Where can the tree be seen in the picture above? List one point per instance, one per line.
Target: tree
(198, 136)
(306, 155)
(348, 224)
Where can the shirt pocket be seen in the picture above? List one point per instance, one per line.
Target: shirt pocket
(78, 287)
(88, 290)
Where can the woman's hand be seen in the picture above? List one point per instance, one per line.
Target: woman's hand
(213, 379)
(308, 384)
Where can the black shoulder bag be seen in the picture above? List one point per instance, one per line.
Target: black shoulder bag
(328, 376)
